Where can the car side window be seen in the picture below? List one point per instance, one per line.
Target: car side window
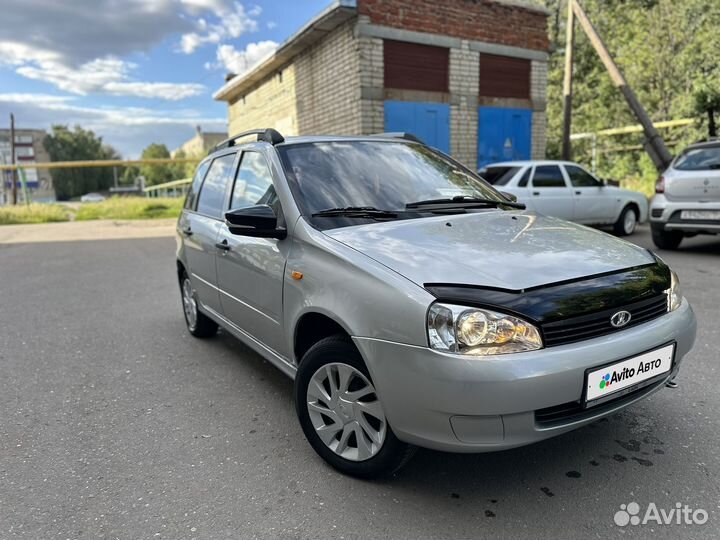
(548, 176)
(212, 192)
(523, 182)
(580, 177)
(253, 183)
(195, 186)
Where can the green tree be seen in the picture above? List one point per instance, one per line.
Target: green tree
(78, 144)
(668, 52)
(157, 173)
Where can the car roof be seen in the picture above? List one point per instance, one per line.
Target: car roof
(526, 162)
(304, 139)
(705, 144)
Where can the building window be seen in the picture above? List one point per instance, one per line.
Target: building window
(411, 66)
(504, 76)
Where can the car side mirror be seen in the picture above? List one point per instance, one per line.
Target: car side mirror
(510, 196)
(257, 221)
(608, 182)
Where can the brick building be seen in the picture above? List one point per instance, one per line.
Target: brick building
(467, 76)
(29, 149)
(200, 144)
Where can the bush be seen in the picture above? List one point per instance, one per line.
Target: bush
(130, 208)
(33, 213)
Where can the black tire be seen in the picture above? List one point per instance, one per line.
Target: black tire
(203, 326)
(666, 239)
(393, 453)
(619, 228)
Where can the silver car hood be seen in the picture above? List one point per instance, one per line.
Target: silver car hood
(508, 250)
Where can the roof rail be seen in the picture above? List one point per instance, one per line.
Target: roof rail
(268, 135)
(400, 135)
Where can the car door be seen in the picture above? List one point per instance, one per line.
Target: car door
(550, 194)
(250, 270)
(593, 203)
(200, 225)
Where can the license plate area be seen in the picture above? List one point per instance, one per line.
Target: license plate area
(707, 215)
(621, 377)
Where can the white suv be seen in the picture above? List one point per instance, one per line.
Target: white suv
(687, 199)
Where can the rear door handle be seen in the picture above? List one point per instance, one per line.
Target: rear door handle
(187, 231)
(224, 246)
(536, 193)
(578, 193)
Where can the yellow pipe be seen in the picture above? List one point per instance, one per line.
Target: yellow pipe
(96, 163)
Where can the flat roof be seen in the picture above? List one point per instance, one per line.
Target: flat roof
(322, 24)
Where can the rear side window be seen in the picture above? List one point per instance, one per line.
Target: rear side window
(699, 159)
(548, 176)
(499, 176)
(212, 192)
(580, 177)
(195, 186)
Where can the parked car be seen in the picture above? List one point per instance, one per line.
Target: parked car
(413, 304)
(92, 197)
(566, 190)
(687, 196)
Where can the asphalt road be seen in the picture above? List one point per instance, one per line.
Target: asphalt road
(116, 423)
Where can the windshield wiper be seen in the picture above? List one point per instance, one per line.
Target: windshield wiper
(357, 212)
(464, 200)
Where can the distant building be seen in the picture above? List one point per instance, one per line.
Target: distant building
(467, 76)
(29, 149)
(201, 143)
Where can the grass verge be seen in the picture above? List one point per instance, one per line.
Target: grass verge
(33, 213)
(130, 208)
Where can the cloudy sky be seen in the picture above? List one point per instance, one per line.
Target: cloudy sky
(134, 71)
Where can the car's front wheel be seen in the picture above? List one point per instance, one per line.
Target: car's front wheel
(666, 239)
(198, 324)
(341, 413)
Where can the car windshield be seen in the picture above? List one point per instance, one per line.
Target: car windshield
(377, 175)
(699, 159)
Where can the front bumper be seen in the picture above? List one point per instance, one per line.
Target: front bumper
(462, 404)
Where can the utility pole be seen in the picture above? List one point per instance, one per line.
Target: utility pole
(567, 82)
(12, 158)
(654, 144)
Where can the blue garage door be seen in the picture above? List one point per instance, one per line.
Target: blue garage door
(503, 134)
(428, 121)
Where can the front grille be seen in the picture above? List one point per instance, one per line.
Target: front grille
(598, 324)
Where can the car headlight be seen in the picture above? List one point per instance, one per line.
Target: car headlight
(674, 293)
(479, 332)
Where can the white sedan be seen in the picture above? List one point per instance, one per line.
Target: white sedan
(564, 189)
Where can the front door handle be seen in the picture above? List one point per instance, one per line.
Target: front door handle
(224, 246)
(187, 231)
(536, 193)
(578, 193)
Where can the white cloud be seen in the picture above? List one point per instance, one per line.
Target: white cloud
(239, 62)
(77, 46)
(128, 129)
(271, 25)
(105, 76)
(231, 24)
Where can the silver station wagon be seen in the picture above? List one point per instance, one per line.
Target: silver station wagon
(415, 305)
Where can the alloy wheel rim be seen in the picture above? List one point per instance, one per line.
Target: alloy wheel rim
(346, 412)
(189, 304)
(630, 222)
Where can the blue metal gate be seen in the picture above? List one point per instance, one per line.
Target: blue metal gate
(503, 134)
(428, 121)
